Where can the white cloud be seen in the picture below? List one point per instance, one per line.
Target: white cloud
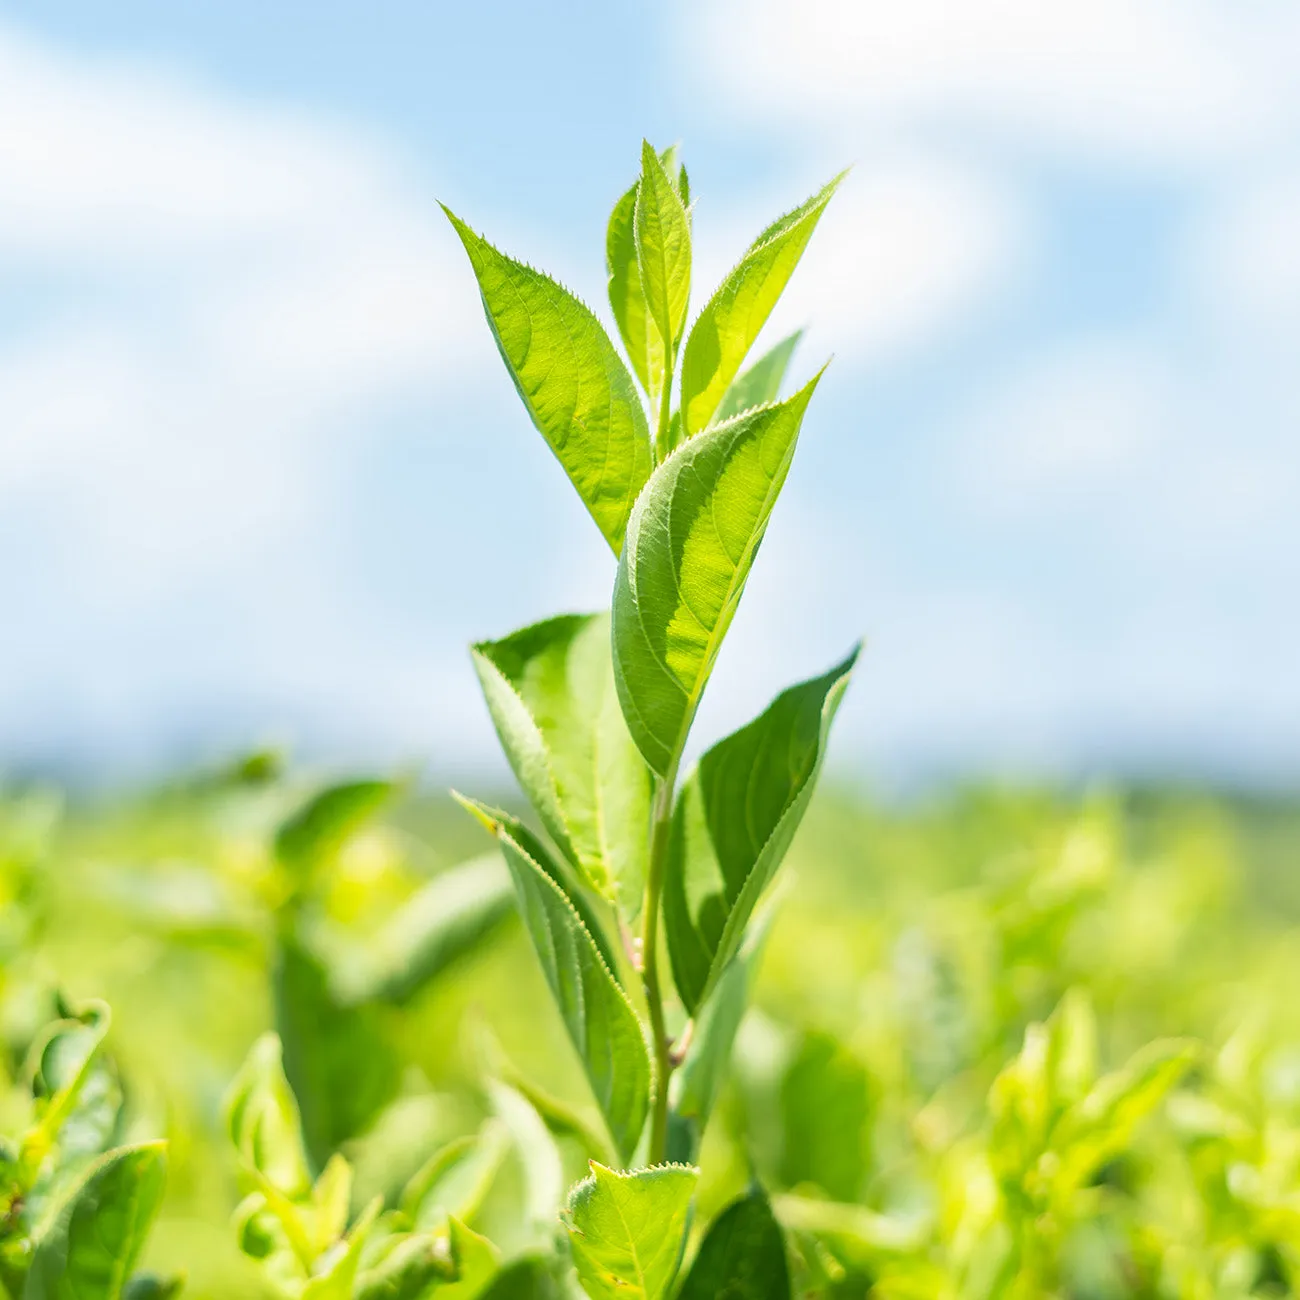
(247, 282)
(1074, 422)
(904, 252)
(1153, 81)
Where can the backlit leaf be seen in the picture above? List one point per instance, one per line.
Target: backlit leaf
(626, 297)
(550, 690)
(726, 329)
(663, 247)
(626, 1229)
(691, 542)
(573, 382)
(761, 382)
(736, 814)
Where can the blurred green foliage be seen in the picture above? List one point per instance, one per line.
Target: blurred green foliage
(1001, 1043)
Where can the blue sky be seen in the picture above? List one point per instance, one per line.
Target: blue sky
(261, 473)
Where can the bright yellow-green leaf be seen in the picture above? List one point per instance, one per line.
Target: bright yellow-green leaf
(663, 247)
(691, 542)
(760, 383)
(550, 690)
(726, 329)
(643, 341)
(626, 1229)
(572, 381)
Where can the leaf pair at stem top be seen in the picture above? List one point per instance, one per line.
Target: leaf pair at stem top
(679, 461)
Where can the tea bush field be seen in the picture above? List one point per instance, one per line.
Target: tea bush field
(999, 1042)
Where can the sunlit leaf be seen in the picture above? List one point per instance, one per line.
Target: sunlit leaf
(626, 1229)
(761, 382)
(263, 1121)
(574, 384)
(691, 542)
(550, 690)
(726, 329)
(626, 297)
(663, 248)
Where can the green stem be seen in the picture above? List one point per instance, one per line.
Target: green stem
(661, 823)
(665, 410)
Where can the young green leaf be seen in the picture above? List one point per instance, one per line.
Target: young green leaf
(263, 1122)
(550, 690)
(761, 382)
(726, 329)
(477, 1261)
(742, 1257)
(92, 1246)
(663, 247)
(574, 384)
(691, 542)
(626, 1229)
(735, 817)
(596, 1012)
(643, 341)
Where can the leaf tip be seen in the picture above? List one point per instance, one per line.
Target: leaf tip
(478, 811)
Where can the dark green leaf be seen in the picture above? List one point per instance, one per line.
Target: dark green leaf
(825, 1111)
(742, 1257)
(735, 817)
